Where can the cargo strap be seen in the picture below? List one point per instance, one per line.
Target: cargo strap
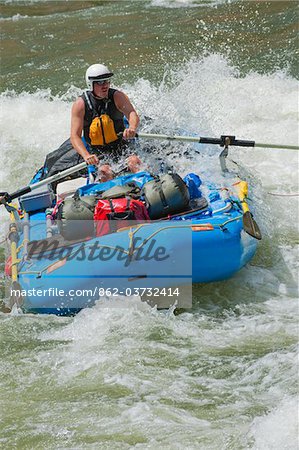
(161, 193)
(128, 189)
(127, 214)
(77, 197)
(88, 101)
(112, 207)
(93, 108)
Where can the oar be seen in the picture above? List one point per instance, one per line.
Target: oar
(6, 197)
(223, 141)
(249, 224)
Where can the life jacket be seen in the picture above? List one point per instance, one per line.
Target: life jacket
(113, 214)
(102, 120)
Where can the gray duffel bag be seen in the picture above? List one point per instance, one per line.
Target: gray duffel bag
(126, 190)
(75, 217)
(166, 195)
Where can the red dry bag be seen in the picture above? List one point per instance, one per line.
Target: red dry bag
(110, 215)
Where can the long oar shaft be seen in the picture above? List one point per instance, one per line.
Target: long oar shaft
(277, 146)
(53, 178)
(218, 141)
(59, 175)
(166, 137)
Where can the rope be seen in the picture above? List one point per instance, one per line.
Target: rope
(220, 226)
(40, 272)
(131, 233)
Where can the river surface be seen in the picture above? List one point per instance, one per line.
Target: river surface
(122, 375)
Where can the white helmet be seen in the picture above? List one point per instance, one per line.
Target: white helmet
(97, 72)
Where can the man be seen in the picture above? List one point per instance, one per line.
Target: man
(99, 113)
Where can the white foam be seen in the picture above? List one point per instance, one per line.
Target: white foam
(187, 3)
(208, 97)
(14, 18)
(31, 125)
(279, 428)
(158, 372)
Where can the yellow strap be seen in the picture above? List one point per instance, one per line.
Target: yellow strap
(13, 249)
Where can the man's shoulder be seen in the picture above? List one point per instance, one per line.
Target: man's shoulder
(84, 97)
(118, 95)
(79, 101)
(79, 104)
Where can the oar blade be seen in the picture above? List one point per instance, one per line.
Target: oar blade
(16, 297)
(250, 226)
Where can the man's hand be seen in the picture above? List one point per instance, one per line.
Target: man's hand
(129, 133)
(91, 160)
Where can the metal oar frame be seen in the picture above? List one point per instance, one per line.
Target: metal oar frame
(224, 141)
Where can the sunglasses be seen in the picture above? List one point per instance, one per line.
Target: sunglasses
(102, 82)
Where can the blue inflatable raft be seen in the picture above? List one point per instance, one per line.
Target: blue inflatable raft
(155, 260)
